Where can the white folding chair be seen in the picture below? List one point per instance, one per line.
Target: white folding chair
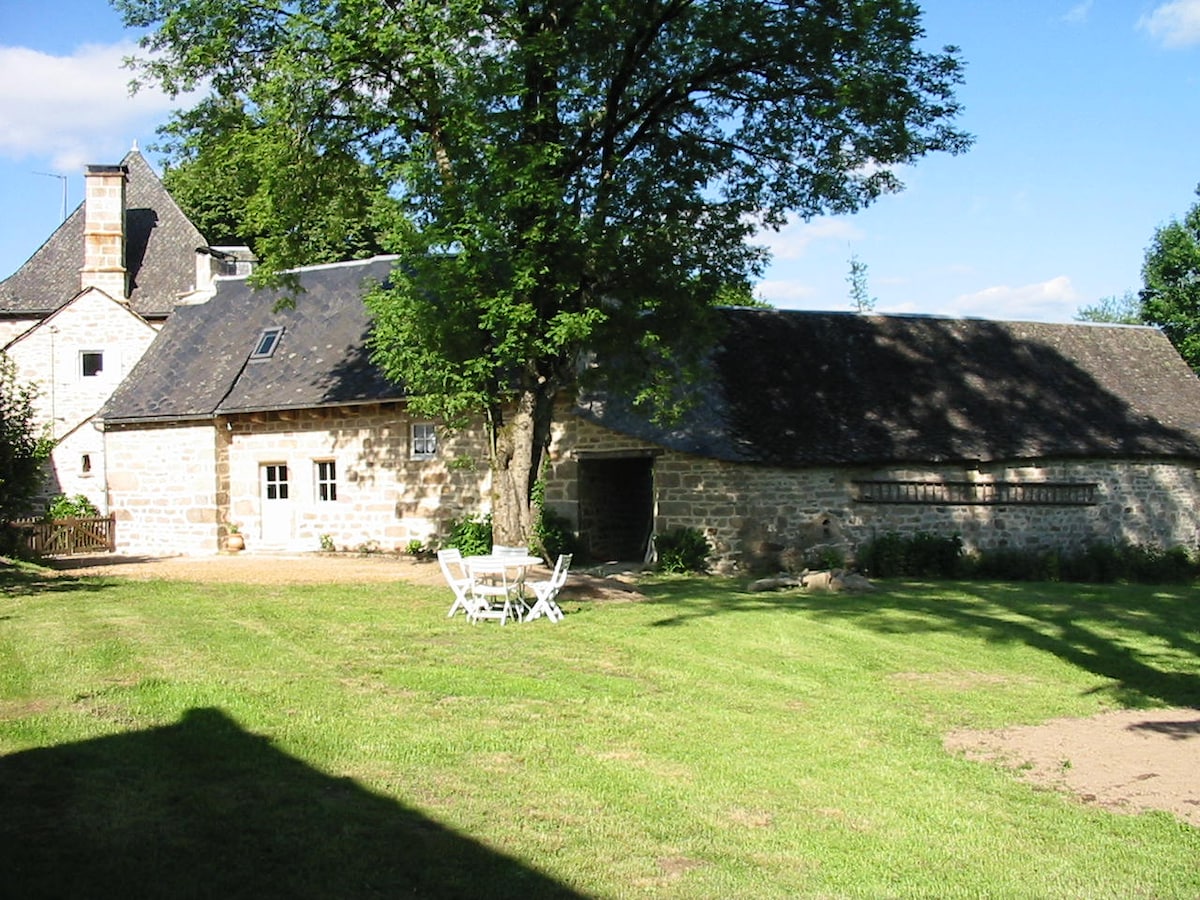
(547, 591)
(493, 595)
(458, 578)
(502, 550)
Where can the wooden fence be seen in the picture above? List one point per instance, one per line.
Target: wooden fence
(63, 537)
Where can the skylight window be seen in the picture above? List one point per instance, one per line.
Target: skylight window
(267, 341)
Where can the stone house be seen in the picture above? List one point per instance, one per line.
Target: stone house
(814, 429)
(272, 419)
(831, 429)
(80, 312)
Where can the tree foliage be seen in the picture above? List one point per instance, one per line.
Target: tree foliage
(1171, 283)
(1123, 310)
(567, 177)
(22, 446)
(231, 173)
(861, 300)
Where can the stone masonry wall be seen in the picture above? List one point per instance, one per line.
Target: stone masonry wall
(11, 328)
(385, 497)
(50, 357)
(747, 511)
(162, 489)
(174, 489)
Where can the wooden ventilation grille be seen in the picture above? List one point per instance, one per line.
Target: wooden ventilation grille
(973, 493)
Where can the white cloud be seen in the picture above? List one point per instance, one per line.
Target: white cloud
(785, 294)
(793, 240)
(73, 109)
(1078, 14)
(1174, 24)
(1055, 300)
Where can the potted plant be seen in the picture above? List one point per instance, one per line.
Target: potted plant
(233, 539)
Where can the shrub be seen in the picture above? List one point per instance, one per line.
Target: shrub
(921, 555)
(818, 557)
(1097, 563)
(553, 532)
(682, 550)
(64, 507)
(472, 536)
(23, 445)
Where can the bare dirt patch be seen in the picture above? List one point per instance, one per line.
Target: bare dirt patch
(1128, 760)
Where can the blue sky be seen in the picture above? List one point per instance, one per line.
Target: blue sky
(1086, 115)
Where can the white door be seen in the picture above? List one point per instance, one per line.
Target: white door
(276, 503)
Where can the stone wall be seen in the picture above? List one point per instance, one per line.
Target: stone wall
(162, 484)
(385, 497)
(50, 357)
(11, 328)
(174, 490)
(751, 512)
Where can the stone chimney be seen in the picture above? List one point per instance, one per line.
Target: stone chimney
(104, 231)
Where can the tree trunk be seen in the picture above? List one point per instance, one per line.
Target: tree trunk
(518, 443)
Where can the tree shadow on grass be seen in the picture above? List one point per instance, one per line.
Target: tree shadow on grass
(202, 808)
(24, 582)
(1144, 639)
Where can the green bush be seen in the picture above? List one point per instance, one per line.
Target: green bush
(920, 555)
(682, 550)
(925, 555)
(472, 536)
(553, 532)
(64, 507)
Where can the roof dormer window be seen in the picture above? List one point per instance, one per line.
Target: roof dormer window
(268, 340)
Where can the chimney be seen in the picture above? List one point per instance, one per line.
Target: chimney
(104, 231)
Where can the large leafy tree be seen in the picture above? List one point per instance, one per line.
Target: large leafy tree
(1123, 310)
(232, 173)
(569, 177)
(1171, 278)
(23, 447)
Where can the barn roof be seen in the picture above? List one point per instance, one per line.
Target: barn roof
(818, 388)
(784, 387)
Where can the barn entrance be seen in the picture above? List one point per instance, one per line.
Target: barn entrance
(616, 507)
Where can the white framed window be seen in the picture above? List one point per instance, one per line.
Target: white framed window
(326, 474)
(423, 441)
(275, 481)
(91, 363)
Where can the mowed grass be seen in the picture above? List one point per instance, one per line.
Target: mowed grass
(187, 740)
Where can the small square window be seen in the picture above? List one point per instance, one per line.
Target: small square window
(268, 340)
(424, 441)
(326, 480)
(91, 363)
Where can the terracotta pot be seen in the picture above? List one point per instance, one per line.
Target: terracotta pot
(235, 542)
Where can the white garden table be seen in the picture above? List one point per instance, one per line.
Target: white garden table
(498, 583)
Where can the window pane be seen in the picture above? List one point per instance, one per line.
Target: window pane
(424, 440)
(268, 339)
(93, 364)
(326, 480)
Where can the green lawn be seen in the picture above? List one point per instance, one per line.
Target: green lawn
(186, 740)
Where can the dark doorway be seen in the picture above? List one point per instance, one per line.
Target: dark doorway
(616, 507)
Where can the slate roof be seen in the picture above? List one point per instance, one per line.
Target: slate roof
(159, 254)
(817, 388)
(787, 388)
(199, 366)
